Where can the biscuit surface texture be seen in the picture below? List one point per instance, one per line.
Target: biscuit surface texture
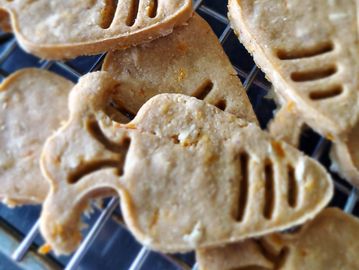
(190, 61)
(309, 51)
(189, 175)
(66, 29)
(33, 103)
(345, 156)
(328, 242)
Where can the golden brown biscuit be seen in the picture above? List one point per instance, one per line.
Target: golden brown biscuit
(329, 242)
(190, 61)
(65, 29)
(313, 65)
(189, 175)
(32, 104)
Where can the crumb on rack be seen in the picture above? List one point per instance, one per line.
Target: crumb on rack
(44, 249)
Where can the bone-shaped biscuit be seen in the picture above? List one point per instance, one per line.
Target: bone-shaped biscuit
(329, 242)
(66, 29)
(312, 65)
(188, 174)
(32, 103)
(190, 61)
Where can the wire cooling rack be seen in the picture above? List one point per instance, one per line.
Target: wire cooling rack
(107, 243)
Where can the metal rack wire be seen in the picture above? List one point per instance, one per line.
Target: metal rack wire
(252, 78)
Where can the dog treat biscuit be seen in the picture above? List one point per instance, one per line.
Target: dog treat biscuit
(66, 29)
(188, 174)
(308, 49)
(190, 61)
(32, 103)
(328, 242)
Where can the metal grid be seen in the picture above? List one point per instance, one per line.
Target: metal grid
(256, 86)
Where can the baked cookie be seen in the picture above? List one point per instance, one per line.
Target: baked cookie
(65, 29)
(312, 65)
(32, 103)
(190, 61)
(329, 242)
(188, 174)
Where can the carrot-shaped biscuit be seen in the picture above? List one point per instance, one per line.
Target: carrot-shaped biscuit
(189, 175)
